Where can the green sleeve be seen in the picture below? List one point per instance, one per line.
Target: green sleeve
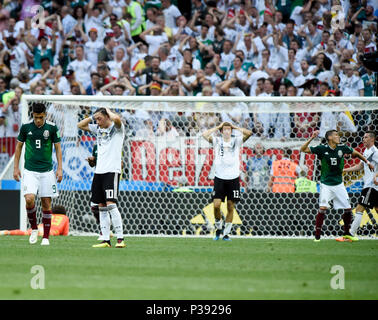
(318, 150)
(22, 134)
(56, 135)
(347, 150)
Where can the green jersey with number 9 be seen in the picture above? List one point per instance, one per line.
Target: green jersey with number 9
(39, 145)
(332, 162)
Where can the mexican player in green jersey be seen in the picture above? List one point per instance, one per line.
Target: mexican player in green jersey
(331, 156)
(39, 137)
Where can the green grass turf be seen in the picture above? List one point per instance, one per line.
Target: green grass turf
(188, 268)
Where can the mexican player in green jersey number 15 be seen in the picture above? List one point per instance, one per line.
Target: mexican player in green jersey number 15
(39, 136)
(331, 156)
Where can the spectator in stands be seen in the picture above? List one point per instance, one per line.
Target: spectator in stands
(115, 65)
(93, 46)
(104, 72)
(166, 64)
(17, 57)
(137, 18)
(187, 79)
(258, 170)
(81, 67)
(41, 49)
(283, 173)
(289, 35)
(238, 73)
(154, 73)
(351, 85)
(68, 21)
(95, 85)
(12, 112)
(106, 53)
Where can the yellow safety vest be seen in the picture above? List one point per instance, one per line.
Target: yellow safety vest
(305, 185)
(131, 10)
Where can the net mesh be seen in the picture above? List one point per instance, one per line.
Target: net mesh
(167, 176)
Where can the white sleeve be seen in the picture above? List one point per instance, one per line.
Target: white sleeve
(360, 84)
(375, 157)
(176, 12)
(93, 128)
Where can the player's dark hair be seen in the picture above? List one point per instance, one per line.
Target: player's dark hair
(225, 124)
(44, 59)
(38, 107)
(107, 39)
(102, 111)
(59, 210)
(329, 133)
(372, 134)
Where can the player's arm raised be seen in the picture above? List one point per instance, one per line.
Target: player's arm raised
(305, 147)
(115, 118)
(208, 133)
(359, 155)
(59, 170)
(17, 155)
(357, 167)
(83, 124)
(246, 133)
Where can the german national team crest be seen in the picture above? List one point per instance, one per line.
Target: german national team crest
(340, 153)
(46, 134)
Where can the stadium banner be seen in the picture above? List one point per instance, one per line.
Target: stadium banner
(173, 213)
(155, 164)
(162, 160)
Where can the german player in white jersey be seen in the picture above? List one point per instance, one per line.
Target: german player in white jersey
(227, 172)
(369, 194)
(110, 133)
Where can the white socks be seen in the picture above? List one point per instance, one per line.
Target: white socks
(218, 224)
(105, 223)
(227, 228)
(116, 220)
(356, 223)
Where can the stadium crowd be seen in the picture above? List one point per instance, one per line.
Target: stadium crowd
(209, 48)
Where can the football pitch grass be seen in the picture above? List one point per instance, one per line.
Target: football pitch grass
(188, 268)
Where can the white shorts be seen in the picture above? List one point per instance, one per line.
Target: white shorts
(41, 183)
(337, 194)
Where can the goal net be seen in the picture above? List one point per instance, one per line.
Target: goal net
(167, 178)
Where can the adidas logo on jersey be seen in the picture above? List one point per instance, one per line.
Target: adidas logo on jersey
(30, 133)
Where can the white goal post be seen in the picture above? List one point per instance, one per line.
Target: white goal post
(163, 143)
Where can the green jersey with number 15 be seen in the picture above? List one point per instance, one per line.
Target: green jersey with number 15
(39, 145)
(332, 162)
